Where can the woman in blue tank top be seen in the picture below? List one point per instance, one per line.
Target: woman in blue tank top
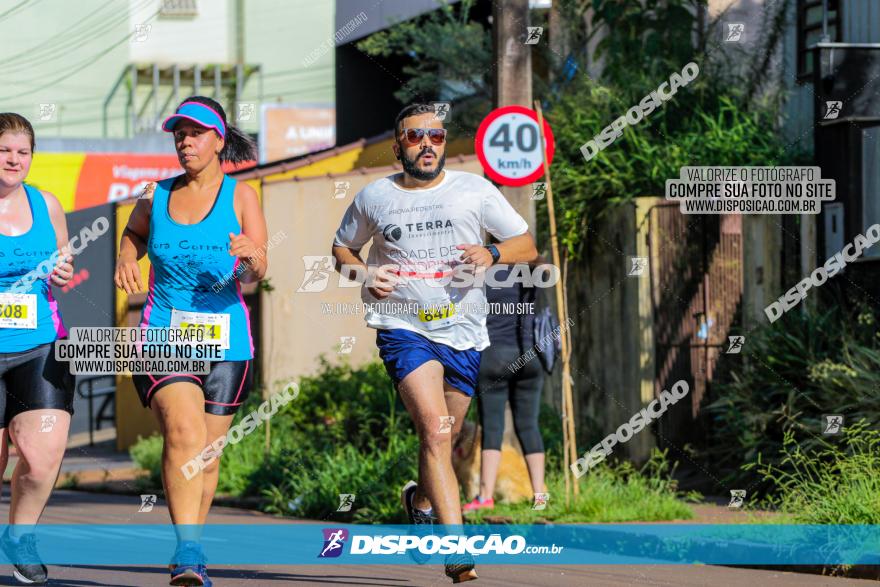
(36, 391)
(204, 234)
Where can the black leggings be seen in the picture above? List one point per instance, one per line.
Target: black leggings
(33, 380)
(523, 387)
(225, 387)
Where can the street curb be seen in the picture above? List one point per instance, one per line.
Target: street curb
(638, 539)
(247, 503)
(615, 537)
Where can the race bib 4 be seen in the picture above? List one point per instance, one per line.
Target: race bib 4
(214, 326)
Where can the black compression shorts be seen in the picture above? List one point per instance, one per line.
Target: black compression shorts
(33, 380)
(225, 387)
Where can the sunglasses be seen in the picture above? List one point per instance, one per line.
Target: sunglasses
(414, 136)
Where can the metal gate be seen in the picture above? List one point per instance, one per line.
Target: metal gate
(696, 293)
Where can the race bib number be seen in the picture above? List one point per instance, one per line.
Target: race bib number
(437, 315)
(18, 310)
(214, 326)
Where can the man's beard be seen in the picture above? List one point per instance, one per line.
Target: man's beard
(411, 169)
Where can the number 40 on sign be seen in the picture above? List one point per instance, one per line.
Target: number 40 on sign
(508, 145)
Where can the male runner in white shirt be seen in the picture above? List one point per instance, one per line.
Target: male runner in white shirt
(425, 223)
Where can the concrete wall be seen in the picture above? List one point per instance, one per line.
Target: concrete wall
(132, 420)
(54, 60)
(207, 37)
(611, 367)
(762, 265)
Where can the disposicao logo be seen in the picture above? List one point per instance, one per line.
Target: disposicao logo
(334, 540)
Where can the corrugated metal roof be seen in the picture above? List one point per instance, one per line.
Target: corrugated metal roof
(364, 170)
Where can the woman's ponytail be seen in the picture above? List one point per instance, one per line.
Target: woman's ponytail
(239, 146)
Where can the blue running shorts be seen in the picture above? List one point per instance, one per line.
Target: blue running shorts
(403, 351)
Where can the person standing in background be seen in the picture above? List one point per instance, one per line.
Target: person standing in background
(510, 335)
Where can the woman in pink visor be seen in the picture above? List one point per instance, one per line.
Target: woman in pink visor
(204, 233)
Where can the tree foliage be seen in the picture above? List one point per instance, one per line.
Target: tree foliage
(450, 57)
(729, 115)
(718, 119)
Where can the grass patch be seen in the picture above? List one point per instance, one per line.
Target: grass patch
(836, 483)
(612, 493)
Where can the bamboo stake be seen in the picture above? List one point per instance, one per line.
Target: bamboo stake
(569, 442)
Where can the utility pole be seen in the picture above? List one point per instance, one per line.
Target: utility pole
(513, 79)
(512, 60)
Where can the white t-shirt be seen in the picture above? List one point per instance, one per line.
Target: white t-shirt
(417, 231)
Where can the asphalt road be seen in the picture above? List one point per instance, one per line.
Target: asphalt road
(68, 507)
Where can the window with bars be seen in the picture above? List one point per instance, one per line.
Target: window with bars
(179, 8)
(809, 32)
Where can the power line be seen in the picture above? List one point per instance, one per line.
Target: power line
(35, 57)
(59, 39)
(299, 90)
(76, 41)
(75, 70)
(12, 10)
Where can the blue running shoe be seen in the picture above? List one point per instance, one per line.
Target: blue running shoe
(189, 564)
(28, 569)
(206, 580)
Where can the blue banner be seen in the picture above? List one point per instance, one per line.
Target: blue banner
(286, 543)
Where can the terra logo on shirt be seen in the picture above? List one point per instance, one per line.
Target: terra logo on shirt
(393, 233)
(428, 225)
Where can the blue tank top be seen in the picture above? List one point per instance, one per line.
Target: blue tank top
(20, 257)
(192, 270)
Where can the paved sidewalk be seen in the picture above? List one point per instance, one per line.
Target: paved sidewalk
(431, 576)
(100, 466)
(74, 507)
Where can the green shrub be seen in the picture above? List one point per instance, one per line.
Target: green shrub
(312, 483)
(342, 405)
(787, 377)
(833, 483)
(147, 454)
(696, 127)
(347, 432)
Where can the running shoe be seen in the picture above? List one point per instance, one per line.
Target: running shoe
(189, 569)
(28, 568)
(478, 504)
(421, 524)
(460, 568)
(206, 580)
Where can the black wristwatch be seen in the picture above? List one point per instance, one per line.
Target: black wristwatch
(493, 250)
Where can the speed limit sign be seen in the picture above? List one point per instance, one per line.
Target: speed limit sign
(507, 145)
